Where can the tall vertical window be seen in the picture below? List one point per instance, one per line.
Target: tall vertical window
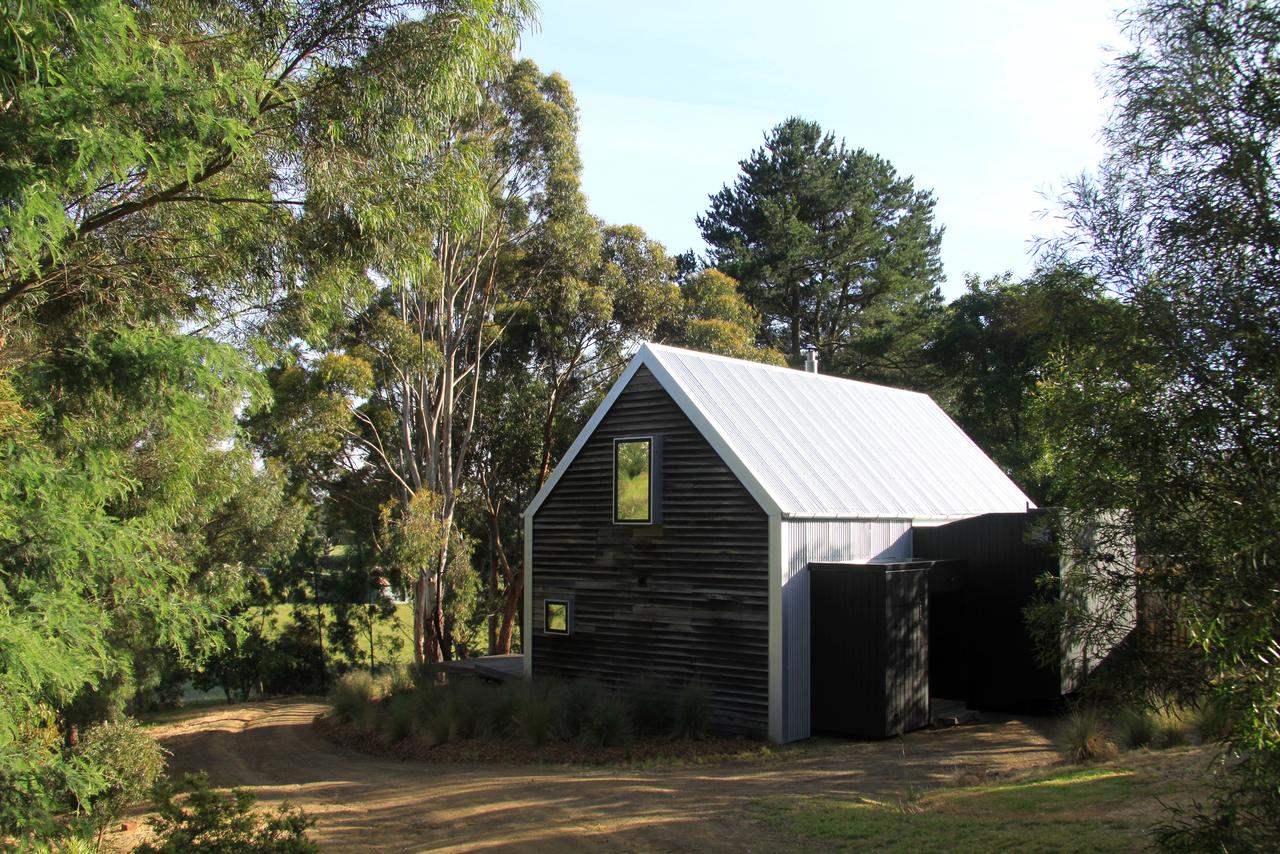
(633, 480)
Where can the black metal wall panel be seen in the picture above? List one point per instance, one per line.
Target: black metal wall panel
(1005, 554)
(687, 599)
(869, 649)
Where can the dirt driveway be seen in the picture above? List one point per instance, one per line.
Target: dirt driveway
(366, 803)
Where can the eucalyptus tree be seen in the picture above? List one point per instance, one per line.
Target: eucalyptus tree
(156, 161)
(429, 246)
(1178, 424)
(833, 248)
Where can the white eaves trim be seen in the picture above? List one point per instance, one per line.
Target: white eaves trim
(645, 357)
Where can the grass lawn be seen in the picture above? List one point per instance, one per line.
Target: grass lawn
(1098, 808)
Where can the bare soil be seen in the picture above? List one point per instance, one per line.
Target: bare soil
(376, 803)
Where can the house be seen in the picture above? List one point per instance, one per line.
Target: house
(794, 541)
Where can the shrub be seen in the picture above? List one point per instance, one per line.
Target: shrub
(1213, 718)
(573, 702)
(1171, 728)
(353, 697)
(650, 707)
(534, 713)
(1085, 737)
(607, 723)
(129, 761)
(693, 707)
(401, 714)
(1135, 728)
(400, 679)
(213, 822)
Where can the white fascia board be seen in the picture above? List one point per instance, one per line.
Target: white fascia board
(710, 432)
(889, 517)
(526, 633)
(646, 358)
(585, 434)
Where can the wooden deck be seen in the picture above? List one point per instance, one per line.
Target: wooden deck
(498, 668)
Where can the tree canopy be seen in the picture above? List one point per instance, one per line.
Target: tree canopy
(1171, 430)
(833, 248)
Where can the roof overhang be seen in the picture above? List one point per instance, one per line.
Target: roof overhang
(645, 358)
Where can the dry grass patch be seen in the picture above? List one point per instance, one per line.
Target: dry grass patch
(1106, 807)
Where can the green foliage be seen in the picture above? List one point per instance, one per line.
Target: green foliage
(129, 512)
(693, 708)
(607, 723)
(1213, 718)
(833, 248)
(401, 714)
(535, 713)
(353, 695)
(208, 821)
(130, 762)
(1085, 737)
(650, 707)
(167, 144)
(998, 340)
(1135, 728)
(714, 317)
(1177, 426)
(176, 180)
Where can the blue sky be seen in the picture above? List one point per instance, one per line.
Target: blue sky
(989, 104)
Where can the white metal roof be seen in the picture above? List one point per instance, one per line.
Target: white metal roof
(810, 445)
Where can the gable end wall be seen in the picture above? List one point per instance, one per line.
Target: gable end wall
(684, 600)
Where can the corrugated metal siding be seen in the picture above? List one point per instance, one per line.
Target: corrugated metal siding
(805, 542)
(826, 446)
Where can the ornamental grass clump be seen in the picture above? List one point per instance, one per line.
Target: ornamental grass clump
(607, 722)
(693, 708)
(353, 697)
(649, 706)
(534, 713)
(400, 714)
(1135, 728)
(1085, 737)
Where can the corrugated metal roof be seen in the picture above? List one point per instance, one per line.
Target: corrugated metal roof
(820, 446)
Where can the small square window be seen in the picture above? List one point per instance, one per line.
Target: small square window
(558, 619)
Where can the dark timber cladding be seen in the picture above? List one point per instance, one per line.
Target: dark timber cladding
(683, 600)
(1005, 554)
(869, 648)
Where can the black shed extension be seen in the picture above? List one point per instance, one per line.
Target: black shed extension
(869, 647)
(987, 656)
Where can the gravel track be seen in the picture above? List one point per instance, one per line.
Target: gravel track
(368, 803)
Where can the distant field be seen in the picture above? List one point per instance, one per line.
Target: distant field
(633, 498)
(383, 633)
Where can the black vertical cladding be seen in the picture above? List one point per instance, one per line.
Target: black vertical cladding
(1005, 556)
(869, 648)
(682, 600)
